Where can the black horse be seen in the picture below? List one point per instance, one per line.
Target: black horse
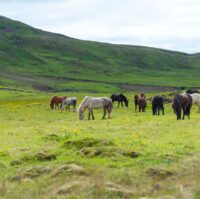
(157, 105)
(120, 98)
(136, 101)
(182, 102)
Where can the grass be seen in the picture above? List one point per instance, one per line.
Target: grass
(45, 153)
(33, 59)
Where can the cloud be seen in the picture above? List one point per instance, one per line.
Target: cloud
(171, 24)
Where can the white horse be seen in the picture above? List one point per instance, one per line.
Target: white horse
(67, 102)
(95, 103)
(196, 100)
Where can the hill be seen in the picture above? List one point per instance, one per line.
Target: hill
(39, 60)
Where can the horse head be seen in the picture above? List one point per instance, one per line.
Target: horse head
(81, 114)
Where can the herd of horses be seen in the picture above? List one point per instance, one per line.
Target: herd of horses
(181, 104)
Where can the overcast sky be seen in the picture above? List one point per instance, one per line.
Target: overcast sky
(169, 24)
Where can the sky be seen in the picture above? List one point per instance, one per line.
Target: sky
(168, 24)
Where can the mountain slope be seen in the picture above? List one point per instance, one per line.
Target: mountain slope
(32, 58)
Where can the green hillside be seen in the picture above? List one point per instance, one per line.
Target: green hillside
(34, 59)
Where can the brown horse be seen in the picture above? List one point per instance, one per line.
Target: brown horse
(136, 101)
(142, 95)
(182, 102)
(142, 104)
(56, 101)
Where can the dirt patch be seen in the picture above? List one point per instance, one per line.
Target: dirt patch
(70, 169)
(87, 142)
(52, 137)
(131, 154)
(107, 152)
(40, 156)
(74, 187)
(97, 151)
(116, 188)
(160, 173)
(31, 173)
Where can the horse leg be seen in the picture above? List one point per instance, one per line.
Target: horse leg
(183, 113)
(159, 111)
(92, 114)
(89, 114)
(118, 104)
(122, 104)
(104, 113)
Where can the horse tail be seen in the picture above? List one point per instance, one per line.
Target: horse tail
(51, 102)
(83, 102)
(177, 105)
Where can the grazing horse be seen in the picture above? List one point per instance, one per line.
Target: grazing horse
(55, 101)
(136, 101)
(142, 104)
(196, 100)
(182, 102)
(95, 103)
(157, 105)
(67, 102)
(120, 99)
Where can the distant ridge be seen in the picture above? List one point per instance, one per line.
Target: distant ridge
(34, 59)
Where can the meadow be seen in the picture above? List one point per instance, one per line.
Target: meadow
(51, 154)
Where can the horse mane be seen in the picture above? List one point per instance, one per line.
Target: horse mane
(51, 100)
(123, 97)
(83, 102)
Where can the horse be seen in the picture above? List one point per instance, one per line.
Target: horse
(95, 103)
(182, 102)
(142, 104)
(136, 101)
(196, 100)
(157, 105)
(67, 102)
(142, 95)
(55, 101)
(120, 98)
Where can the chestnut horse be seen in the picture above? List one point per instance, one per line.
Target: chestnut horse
(56, 101)
(142, 104)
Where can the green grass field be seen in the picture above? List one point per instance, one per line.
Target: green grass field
(51, 154)
(33, 59)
